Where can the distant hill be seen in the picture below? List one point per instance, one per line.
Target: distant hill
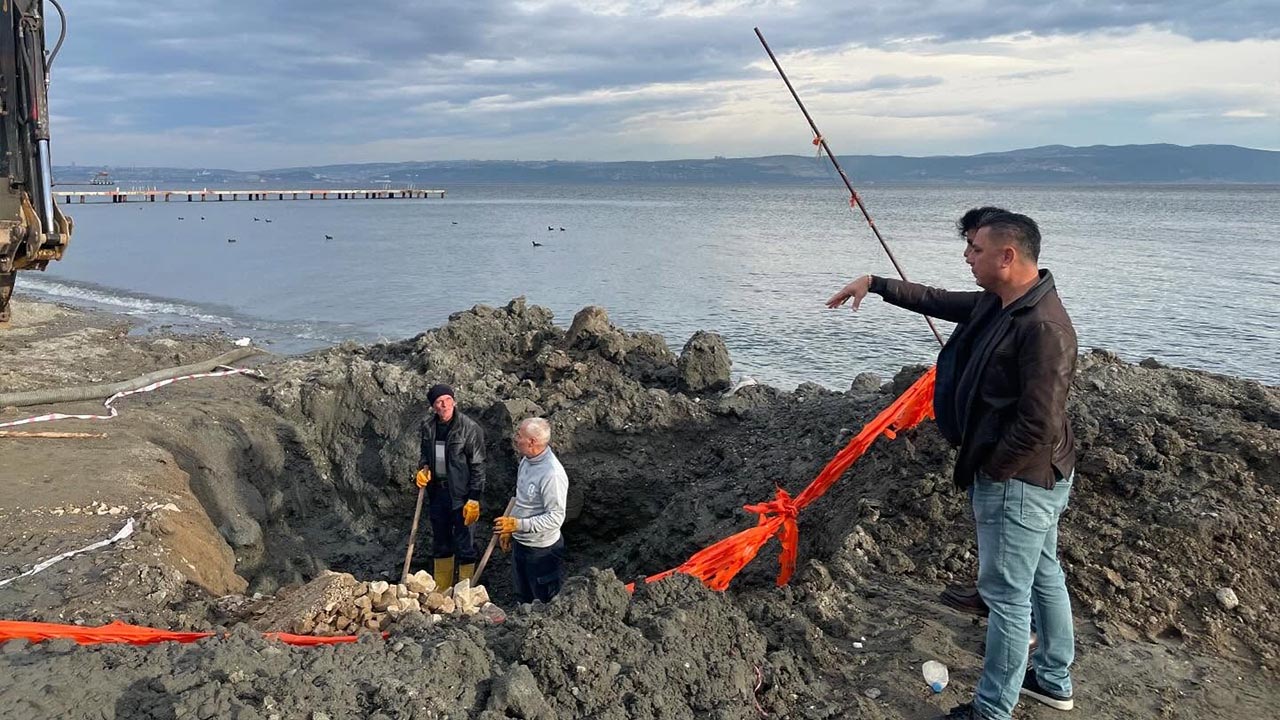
(1050, 164)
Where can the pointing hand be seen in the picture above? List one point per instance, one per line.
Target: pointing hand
(856, 290)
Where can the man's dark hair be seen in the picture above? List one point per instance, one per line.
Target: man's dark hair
(970, 220)
(1015, 229)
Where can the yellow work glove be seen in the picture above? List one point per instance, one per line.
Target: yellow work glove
(504, 542)
(505, 524)
(422, 478)
(470, 512)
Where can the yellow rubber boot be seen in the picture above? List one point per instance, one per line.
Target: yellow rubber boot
(442, 571)
(466, 570)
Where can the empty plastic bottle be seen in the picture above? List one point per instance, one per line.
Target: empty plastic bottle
(935, 673)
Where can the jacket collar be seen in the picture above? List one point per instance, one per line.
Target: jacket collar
(1037, 292)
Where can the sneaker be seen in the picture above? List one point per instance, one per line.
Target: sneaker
(965, 599)
(1031, 688)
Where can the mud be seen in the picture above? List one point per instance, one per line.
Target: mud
(245, 487)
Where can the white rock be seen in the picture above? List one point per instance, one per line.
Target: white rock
(1227, 598)
(377, 587)
(420, 582)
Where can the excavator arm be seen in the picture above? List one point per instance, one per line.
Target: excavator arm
(33, 230)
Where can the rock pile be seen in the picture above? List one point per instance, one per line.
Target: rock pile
(339, 604)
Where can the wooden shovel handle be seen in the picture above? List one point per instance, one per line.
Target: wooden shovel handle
(413, 535)
(475, 579)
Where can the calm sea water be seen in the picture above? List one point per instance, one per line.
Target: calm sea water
(1190, 275)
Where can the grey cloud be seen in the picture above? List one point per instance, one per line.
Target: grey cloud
(311, 70)
(883, 82)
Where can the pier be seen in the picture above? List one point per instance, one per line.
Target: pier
(204, 195)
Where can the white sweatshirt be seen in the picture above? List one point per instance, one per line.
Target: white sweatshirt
(542, 490)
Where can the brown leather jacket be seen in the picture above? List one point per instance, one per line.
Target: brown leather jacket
(1003, 378)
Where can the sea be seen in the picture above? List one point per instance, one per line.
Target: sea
(1189, 275)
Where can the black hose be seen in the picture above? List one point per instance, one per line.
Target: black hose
(48, 65)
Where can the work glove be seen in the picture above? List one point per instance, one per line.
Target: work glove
(422, 478)
(504, 542)
(470, 512)
(505, 524)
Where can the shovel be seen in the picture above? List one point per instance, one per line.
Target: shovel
(475, 579)
(413, 535)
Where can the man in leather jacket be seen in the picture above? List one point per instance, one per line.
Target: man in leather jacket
(451, 468)
(1001, 394)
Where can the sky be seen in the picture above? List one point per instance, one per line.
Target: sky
(258, 84)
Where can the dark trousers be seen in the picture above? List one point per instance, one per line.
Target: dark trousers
(449, 536)
(538, 572)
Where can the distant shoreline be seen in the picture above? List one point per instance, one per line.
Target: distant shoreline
(1159, 164)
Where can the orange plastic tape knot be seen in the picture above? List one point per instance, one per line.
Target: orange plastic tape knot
(781, 512)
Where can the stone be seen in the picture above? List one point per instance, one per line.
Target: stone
(435, 602)
(402, 591)
(420, 582)
(384, 600)
(588, 326)
(704, 363)
(363, 603)
(872, 693)
(377, 587)
(1227, 598)
(866, 382)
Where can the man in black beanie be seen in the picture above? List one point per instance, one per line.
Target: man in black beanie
(451, 468)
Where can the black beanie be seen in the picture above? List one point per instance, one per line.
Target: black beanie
(438, 391)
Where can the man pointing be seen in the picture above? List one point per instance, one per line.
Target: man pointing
(1001, 393)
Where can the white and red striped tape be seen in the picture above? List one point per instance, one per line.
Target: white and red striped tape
(113, 412)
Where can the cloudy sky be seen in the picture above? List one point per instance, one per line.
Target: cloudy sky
(253, 84)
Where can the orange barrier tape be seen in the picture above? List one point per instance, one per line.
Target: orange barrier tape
(716, 565)
(118, 632)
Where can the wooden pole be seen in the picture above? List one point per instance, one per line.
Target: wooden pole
(413, 535)
(475, 579)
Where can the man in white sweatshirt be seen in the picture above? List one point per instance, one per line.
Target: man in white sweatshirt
(542, 489)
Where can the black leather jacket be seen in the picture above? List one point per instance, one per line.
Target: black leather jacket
(465, 458)
(1003, 378)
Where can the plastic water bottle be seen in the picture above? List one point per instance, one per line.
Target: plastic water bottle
(935, 673)
(492, 614)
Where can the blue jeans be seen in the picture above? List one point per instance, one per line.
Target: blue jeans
(1017, 570)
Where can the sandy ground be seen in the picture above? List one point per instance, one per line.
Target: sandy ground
(240, 486)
